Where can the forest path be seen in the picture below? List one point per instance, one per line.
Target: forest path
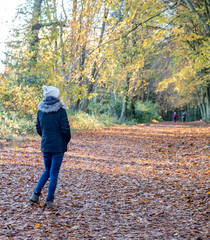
(148, 181)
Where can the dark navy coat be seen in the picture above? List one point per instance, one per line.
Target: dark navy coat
(53, 126)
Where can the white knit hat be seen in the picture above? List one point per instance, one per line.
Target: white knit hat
(50, 91)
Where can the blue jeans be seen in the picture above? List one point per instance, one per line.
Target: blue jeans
(52, 163)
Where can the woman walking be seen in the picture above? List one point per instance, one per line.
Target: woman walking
(53, 127)
(174, 116)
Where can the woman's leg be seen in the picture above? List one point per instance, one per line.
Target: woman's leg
(57, 159)
(46, 174)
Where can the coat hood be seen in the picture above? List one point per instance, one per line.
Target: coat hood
(50, 104)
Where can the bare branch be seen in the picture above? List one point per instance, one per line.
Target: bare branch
(133, 29)
(191, 7)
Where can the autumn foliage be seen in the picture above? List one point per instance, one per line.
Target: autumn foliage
(110, 55)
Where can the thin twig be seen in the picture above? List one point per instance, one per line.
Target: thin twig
(133, 29)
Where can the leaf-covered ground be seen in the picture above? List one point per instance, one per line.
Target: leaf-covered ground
(148, 181)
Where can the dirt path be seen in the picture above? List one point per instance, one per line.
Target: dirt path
(137, 182)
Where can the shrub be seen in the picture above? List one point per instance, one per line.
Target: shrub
(107, 119)
(12, 124)
(81, 121)
(147, 112)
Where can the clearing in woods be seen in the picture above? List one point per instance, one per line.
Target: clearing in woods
(148, 181)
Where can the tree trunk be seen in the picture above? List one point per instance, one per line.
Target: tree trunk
(203, 104)
(86, 100)
(74, 45)
(204, 111)
(94, 72)
(115, 97)
(133, 109)
(62, 48)
(124, 113)
(148, 94)
(191, 7)
(56, 40)
(208, 103)
(201, 109)
(76, 105)
(36, 26)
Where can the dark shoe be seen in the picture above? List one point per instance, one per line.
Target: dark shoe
(35, 197)
(50, 204)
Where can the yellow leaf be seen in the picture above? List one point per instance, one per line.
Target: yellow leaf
(37, 226)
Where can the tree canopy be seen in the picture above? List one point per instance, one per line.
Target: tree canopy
(110, 54)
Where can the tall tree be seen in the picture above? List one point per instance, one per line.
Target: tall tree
(189, 49)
